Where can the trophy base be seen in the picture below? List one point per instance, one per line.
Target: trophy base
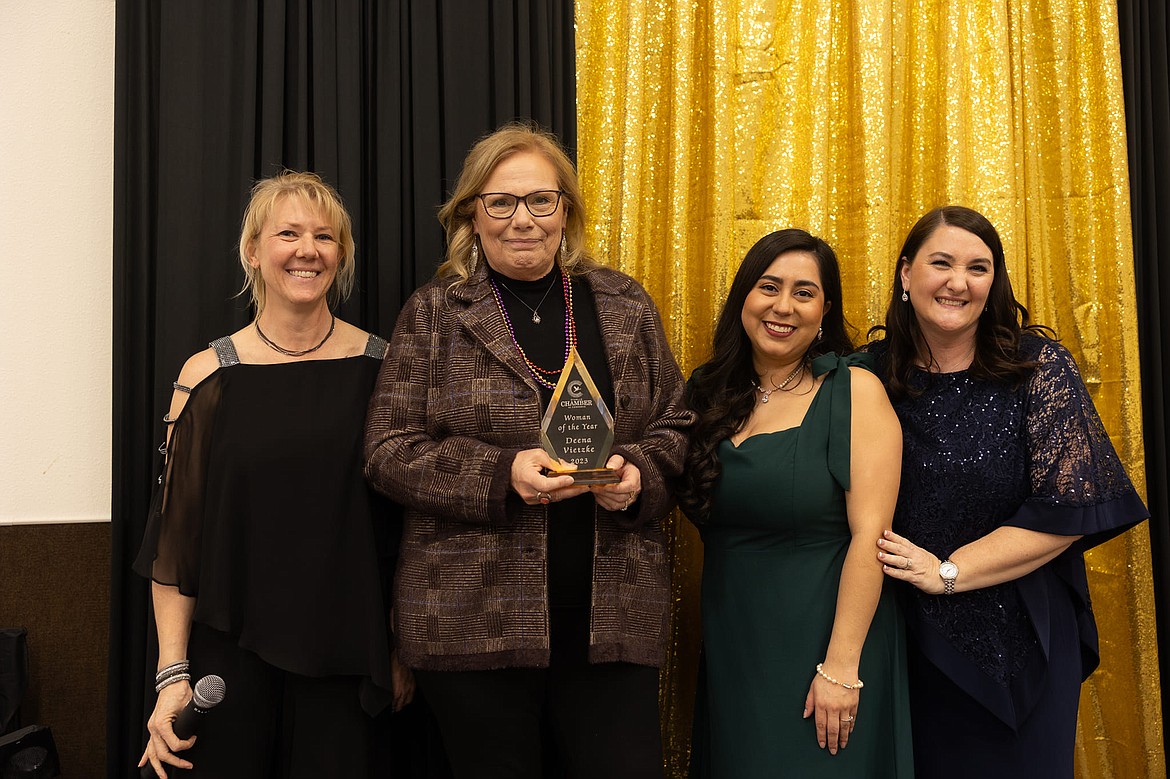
(593, 476)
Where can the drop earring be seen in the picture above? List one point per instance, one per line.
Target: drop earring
(905, 297)
(474, 254)
(564, 246)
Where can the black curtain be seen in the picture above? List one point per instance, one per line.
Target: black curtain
(1145, 35)
(382, 98)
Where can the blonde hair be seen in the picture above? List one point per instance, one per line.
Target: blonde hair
(456, 215)
(313, 189)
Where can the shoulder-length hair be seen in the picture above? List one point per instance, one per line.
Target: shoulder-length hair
(997, 337)
(456, 215)
(314, 191)
(722, 390)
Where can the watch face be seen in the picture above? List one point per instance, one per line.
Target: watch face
(948, 570)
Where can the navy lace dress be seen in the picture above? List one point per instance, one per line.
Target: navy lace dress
(995, 673)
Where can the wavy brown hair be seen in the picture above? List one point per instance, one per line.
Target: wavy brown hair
(997, 337)
(722, 390)
(457, 214)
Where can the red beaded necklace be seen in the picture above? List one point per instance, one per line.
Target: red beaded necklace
(539, 373)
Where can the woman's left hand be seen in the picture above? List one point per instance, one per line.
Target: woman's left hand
(834, 710)
(620, 496)
(905, 560)
(402, 680)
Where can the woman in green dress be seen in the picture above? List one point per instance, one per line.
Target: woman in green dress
(791, 478)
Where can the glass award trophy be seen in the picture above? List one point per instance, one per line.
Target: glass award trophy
(577, 426)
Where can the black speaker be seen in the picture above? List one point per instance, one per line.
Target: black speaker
(13, 676)
(29, 753)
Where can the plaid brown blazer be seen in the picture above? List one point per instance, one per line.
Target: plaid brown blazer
(453, 405)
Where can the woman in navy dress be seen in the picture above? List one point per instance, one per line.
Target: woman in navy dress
(1008, 476)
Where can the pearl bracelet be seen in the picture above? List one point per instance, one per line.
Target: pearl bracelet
(856, 686)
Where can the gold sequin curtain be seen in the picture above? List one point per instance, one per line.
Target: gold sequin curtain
(702, 125)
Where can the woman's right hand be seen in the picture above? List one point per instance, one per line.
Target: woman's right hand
(533, 486)
(163, 742)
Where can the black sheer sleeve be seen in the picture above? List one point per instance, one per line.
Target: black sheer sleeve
(172, 545)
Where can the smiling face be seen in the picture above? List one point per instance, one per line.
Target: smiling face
(948, 281)
(523, 246)
(296, 253)
(782, 313)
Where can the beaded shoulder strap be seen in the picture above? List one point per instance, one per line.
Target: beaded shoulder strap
(375, 347)
(167, 418)
(225, 350)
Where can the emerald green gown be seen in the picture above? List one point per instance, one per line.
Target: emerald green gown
(774, 547)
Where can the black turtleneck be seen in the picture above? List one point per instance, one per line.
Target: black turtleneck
(570, 525)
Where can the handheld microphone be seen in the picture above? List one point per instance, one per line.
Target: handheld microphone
(209, 693)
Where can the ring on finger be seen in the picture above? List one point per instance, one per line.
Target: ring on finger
(544, 497)
(909, 564)
(848, 719)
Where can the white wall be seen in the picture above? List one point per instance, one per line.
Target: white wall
(56, 248)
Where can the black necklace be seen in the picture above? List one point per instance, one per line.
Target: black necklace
(535, 311)
(290, 352)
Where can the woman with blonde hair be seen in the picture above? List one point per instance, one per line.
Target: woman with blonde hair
(533, 609)
(264, 551)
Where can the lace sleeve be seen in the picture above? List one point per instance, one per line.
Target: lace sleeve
(172, 544)
(1078, 484)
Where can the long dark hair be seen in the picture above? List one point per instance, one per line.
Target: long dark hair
(722, 390)
(997, 338)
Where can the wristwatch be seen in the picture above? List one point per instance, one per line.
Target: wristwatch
(949, 572)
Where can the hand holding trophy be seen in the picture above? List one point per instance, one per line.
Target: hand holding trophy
(577, 427)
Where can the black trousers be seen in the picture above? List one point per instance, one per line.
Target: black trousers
(274, 724)
(572, 720)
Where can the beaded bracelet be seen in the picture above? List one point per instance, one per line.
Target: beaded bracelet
(171, 674)
(173, 679)
(179, 666)
(856, 686)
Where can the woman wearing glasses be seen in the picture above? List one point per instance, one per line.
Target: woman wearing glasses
(533, 608)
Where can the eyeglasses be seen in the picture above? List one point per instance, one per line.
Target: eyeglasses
(501, 205)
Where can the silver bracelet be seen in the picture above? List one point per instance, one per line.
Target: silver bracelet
(167, 674)
(172, 679)
(182, 665)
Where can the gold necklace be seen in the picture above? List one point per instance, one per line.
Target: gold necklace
(768, 393)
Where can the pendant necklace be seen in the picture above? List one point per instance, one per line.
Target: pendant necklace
(544, 376)
(768, 393)
(289, 352)
(535, 311)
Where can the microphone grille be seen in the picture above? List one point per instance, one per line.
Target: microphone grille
(209, 691)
